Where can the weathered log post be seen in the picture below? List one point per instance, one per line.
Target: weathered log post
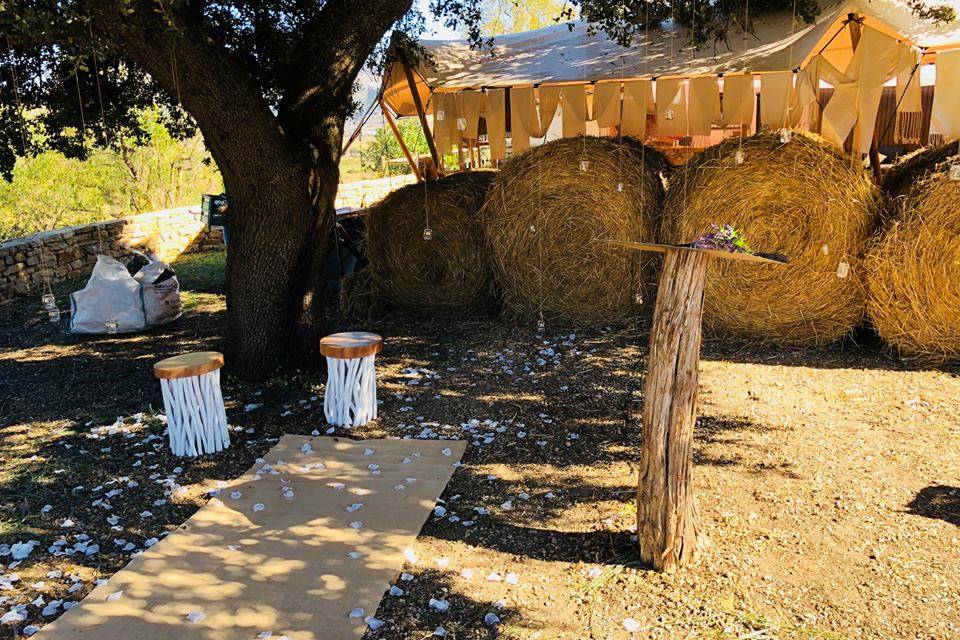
(667, 522)
(668, 528)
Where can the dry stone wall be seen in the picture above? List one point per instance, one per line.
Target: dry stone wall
(62, 254)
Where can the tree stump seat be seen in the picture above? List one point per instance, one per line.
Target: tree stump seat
(350, 398)
(196, 419)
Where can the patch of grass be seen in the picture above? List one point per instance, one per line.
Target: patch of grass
(201, 273)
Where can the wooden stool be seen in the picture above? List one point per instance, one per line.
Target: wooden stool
(351, 395)
(196, 420)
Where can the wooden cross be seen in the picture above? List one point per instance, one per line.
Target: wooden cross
(668, 527)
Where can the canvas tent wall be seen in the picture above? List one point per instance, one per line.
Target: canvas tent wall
(577, 55)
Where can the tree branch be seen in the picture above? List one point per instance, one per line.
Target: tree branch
(325, 63)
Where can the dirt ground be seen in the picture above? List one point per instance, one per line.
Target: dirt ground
(828, 482)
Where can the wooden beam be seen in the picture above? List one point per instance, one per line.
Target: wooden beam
(415, 165)
(418, 103)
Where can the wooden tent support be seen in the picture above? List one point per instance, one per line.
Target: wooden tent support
(403, 145)
(421, 113)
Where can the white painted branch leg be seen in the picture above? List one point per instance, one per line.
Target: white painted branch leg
(351, 395)
(196, 419)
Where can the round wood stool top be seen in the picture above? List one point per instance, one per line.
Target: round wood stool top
(350, 345)
(188, 364)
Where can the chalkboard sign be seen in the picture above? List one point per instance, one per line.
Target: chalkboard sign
(214, 209)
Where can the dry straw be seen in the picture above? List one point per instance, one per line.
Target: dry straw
(803, 199)
(446, 275)
(544, 214)
(913, 270)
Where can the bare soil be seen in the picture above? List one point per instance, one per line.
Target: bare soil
(828, 482)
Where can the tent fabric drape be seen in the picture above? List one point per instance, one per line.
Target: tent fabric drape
(775, 92)
(704, 108)
(496, 123)
(637, 103)
(739, 101)
(606, 104)
(671, 107)
(874, 61)
(445, 133)
(806, 93)
(522, 112)
(945, 115)
(574, 110)
(549, 99)
(470, 104)
(909, 125)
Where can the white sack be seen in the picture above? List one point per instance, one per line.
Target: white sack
(161, 300)
(110, 294)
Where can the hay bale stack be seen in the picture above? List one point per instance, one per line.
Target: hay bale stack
(913, 269)
(803, 199)
(543, 215)
(447, 275)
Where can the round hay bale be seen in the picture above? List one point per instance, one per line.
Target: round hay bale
(913, 269)
(447, 275)
(804, 199)
(544, 214)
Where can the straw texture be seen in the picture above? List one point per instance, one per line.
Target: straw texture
(803, 199)
(447, 275)
(914, 266)
(544, 214)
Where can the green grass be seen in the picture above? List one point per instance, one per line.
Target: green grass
(201, 272)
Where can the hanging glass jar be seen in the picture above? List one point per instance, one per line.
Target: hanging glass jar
(584, 165)
(49, 301)
(786, 135)
(111, 325)
(441, 115)
(462, 123)
(427, 233)
(739, 156)
(843, 269)
(53, 314)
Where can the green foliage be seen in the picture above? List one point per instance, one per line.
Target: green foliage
(375, 153)
(50, 190)
(512, 16)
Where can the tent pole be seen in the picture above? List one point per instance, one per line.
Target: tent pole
(396, 132)
(418, 103)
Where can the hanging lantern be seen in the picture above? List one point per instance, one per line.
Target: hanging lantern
(669, 114)
(533, 229)
(739, 156)
(843, 269)
(619, 187)
(955, 172)
(441, 115)
(584, 165)
(462, 123)
(53, 314)
(427, 233)
(49, 301)
(825, 249)
(637, 298)
(786, 135)
(541, 326)
(111, 325)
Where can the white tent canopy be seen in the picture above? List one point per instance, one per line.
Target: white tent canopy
(561, 55)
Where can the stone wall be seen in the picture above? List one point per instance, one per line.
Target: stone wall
(364, 193)
(62, 254)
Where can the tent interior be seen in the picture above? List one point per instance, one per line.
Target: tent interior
(784, 73)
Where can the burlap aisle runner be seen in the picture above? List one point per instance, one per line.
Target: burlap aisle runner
(290, 548)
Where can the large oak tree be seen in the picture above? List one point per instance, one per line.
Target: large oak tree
(269, 84)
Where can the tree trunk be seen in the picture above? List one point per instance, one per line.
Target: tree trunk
(278, 230)
(667, 520)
